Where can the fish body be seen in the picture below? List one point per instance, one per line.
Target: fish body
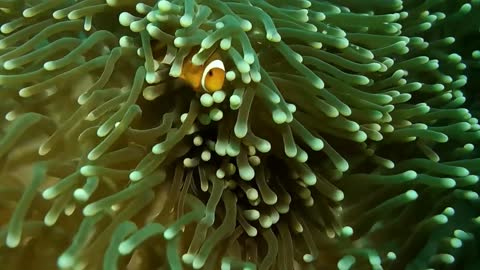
(208, 77)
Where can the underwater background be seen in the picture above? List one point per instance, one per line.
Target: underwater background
(343, 134)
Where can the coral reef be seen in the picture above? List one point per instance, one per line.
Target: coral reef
(344, 136)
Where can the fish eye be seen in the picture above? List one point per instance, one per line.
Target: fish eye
(215, 73)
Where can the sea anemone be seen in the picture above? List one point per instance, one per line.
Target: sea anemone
(343, 137)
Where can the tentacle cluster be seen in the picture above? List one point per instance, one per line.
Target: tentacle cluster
(341, 138)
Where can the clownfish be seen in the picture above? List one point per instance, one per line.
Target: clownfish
(208, 77)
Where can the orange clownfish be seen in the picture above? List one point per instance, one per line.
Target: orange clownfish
(208, 77)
